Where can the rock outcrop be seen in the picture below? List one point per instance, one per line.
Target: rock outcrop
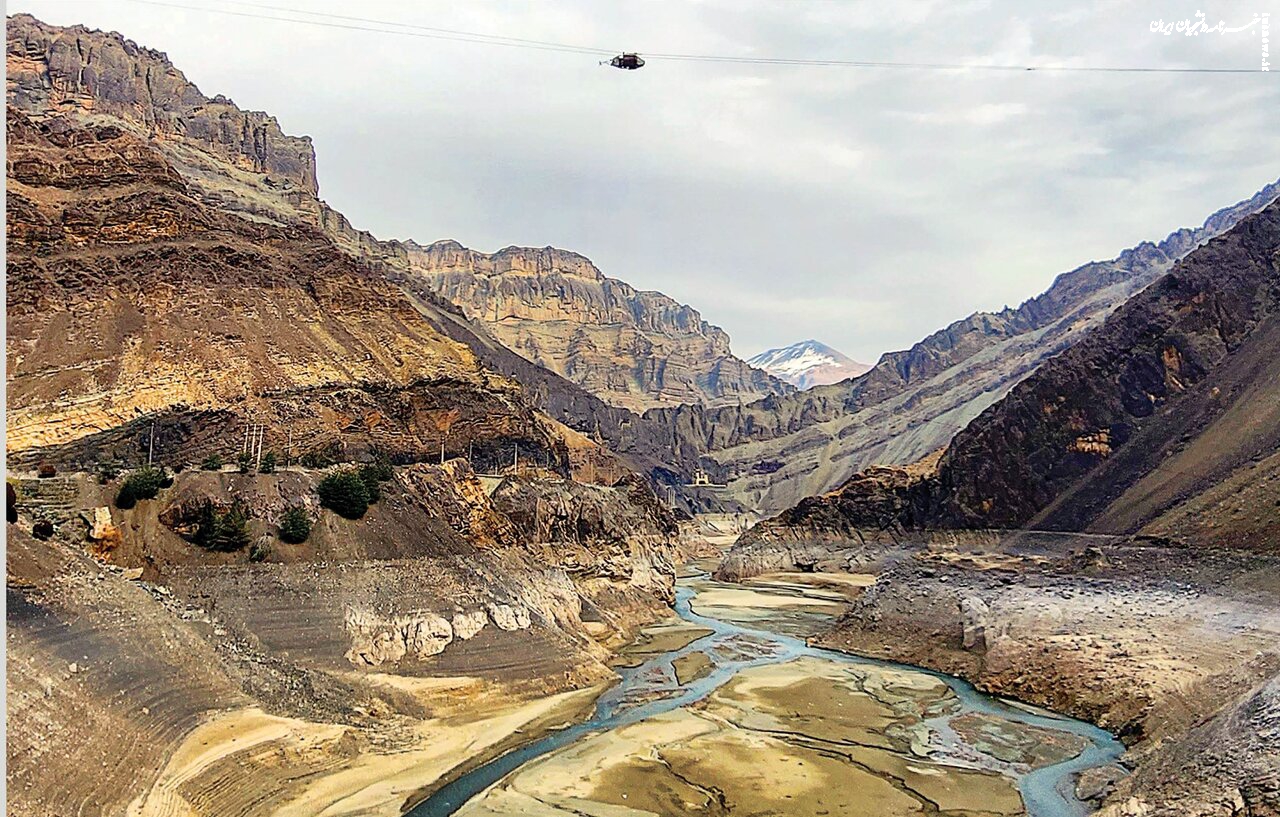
(88, 71)
(633, 349)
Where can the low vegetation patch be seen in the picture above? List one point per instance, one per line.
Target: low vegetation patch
(295, 526)
(350, 491)
(213, 462)
(222, 530)
(144, 483)
(345, 493)
(260, 551)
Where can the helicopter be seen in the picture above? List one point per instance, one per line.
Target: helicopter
(628, 61)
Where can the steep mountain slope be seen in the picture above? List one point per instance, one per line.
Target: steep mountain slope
(128, 298)
(1162, 421)
(808, 363)
(154, 312)
(774, 452)
(243, 164)
(634, 349)
(239, 162)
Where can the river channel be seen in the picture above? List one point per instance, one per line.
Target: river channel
(728, 710)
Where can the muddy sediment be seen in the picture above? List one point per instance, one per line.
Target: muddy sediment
(340, 676)
(1175, 649)
(781, 729)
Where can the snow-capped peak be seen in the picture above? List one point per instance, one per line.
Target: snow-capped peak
(807, 364)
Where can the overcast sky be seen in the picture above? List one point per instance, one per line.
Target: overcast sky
(862, 207)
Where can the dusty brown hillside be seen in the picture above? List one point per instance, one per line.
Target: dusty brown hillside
(634, 349)
(127, 297)
(1163, 421)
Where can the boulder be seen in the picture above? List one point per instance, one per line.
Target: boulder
(508, 617)
(427, 634)
(974, 622)
(466, 625)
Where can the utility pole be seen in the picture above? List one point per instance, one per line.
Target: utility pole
(515, 463)
(262, 431)
(442, 450)
(288, 449)
(151, 447)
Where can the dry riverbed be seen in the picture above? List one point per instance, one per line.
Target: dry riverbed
(1174, 648)
(810, 734)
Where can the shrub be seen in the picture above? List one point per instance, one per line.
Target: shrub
(245, 462)
(42, 529)
(143, 483)
(268, 465)
(321, 457)
(213, 462)
(261, 550)
(125, 497)
(107, 471)
(371, 488)
(374, 473)
(379, 470)
(295, 526)
(345, 493)
(222, 530)
(46, 471)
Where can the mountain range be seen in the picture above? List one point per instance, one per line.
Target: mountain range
(807, 364)
(177, 288)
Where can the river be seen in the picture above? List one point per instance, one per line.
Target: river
(816, 731)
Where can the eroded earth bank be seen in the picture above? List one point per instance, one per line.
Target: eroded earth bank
(1175, 650)
(148, 675)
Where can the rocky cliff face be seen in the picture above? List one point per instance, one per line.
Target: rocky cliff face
(53, 69)
(1161, 421)
(130, 301)
(774, 452)
(265, 186)
(633, 349)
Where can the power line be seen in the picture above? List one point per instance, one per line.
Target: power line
(488, 37)
(467, 37)
(355, 23)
